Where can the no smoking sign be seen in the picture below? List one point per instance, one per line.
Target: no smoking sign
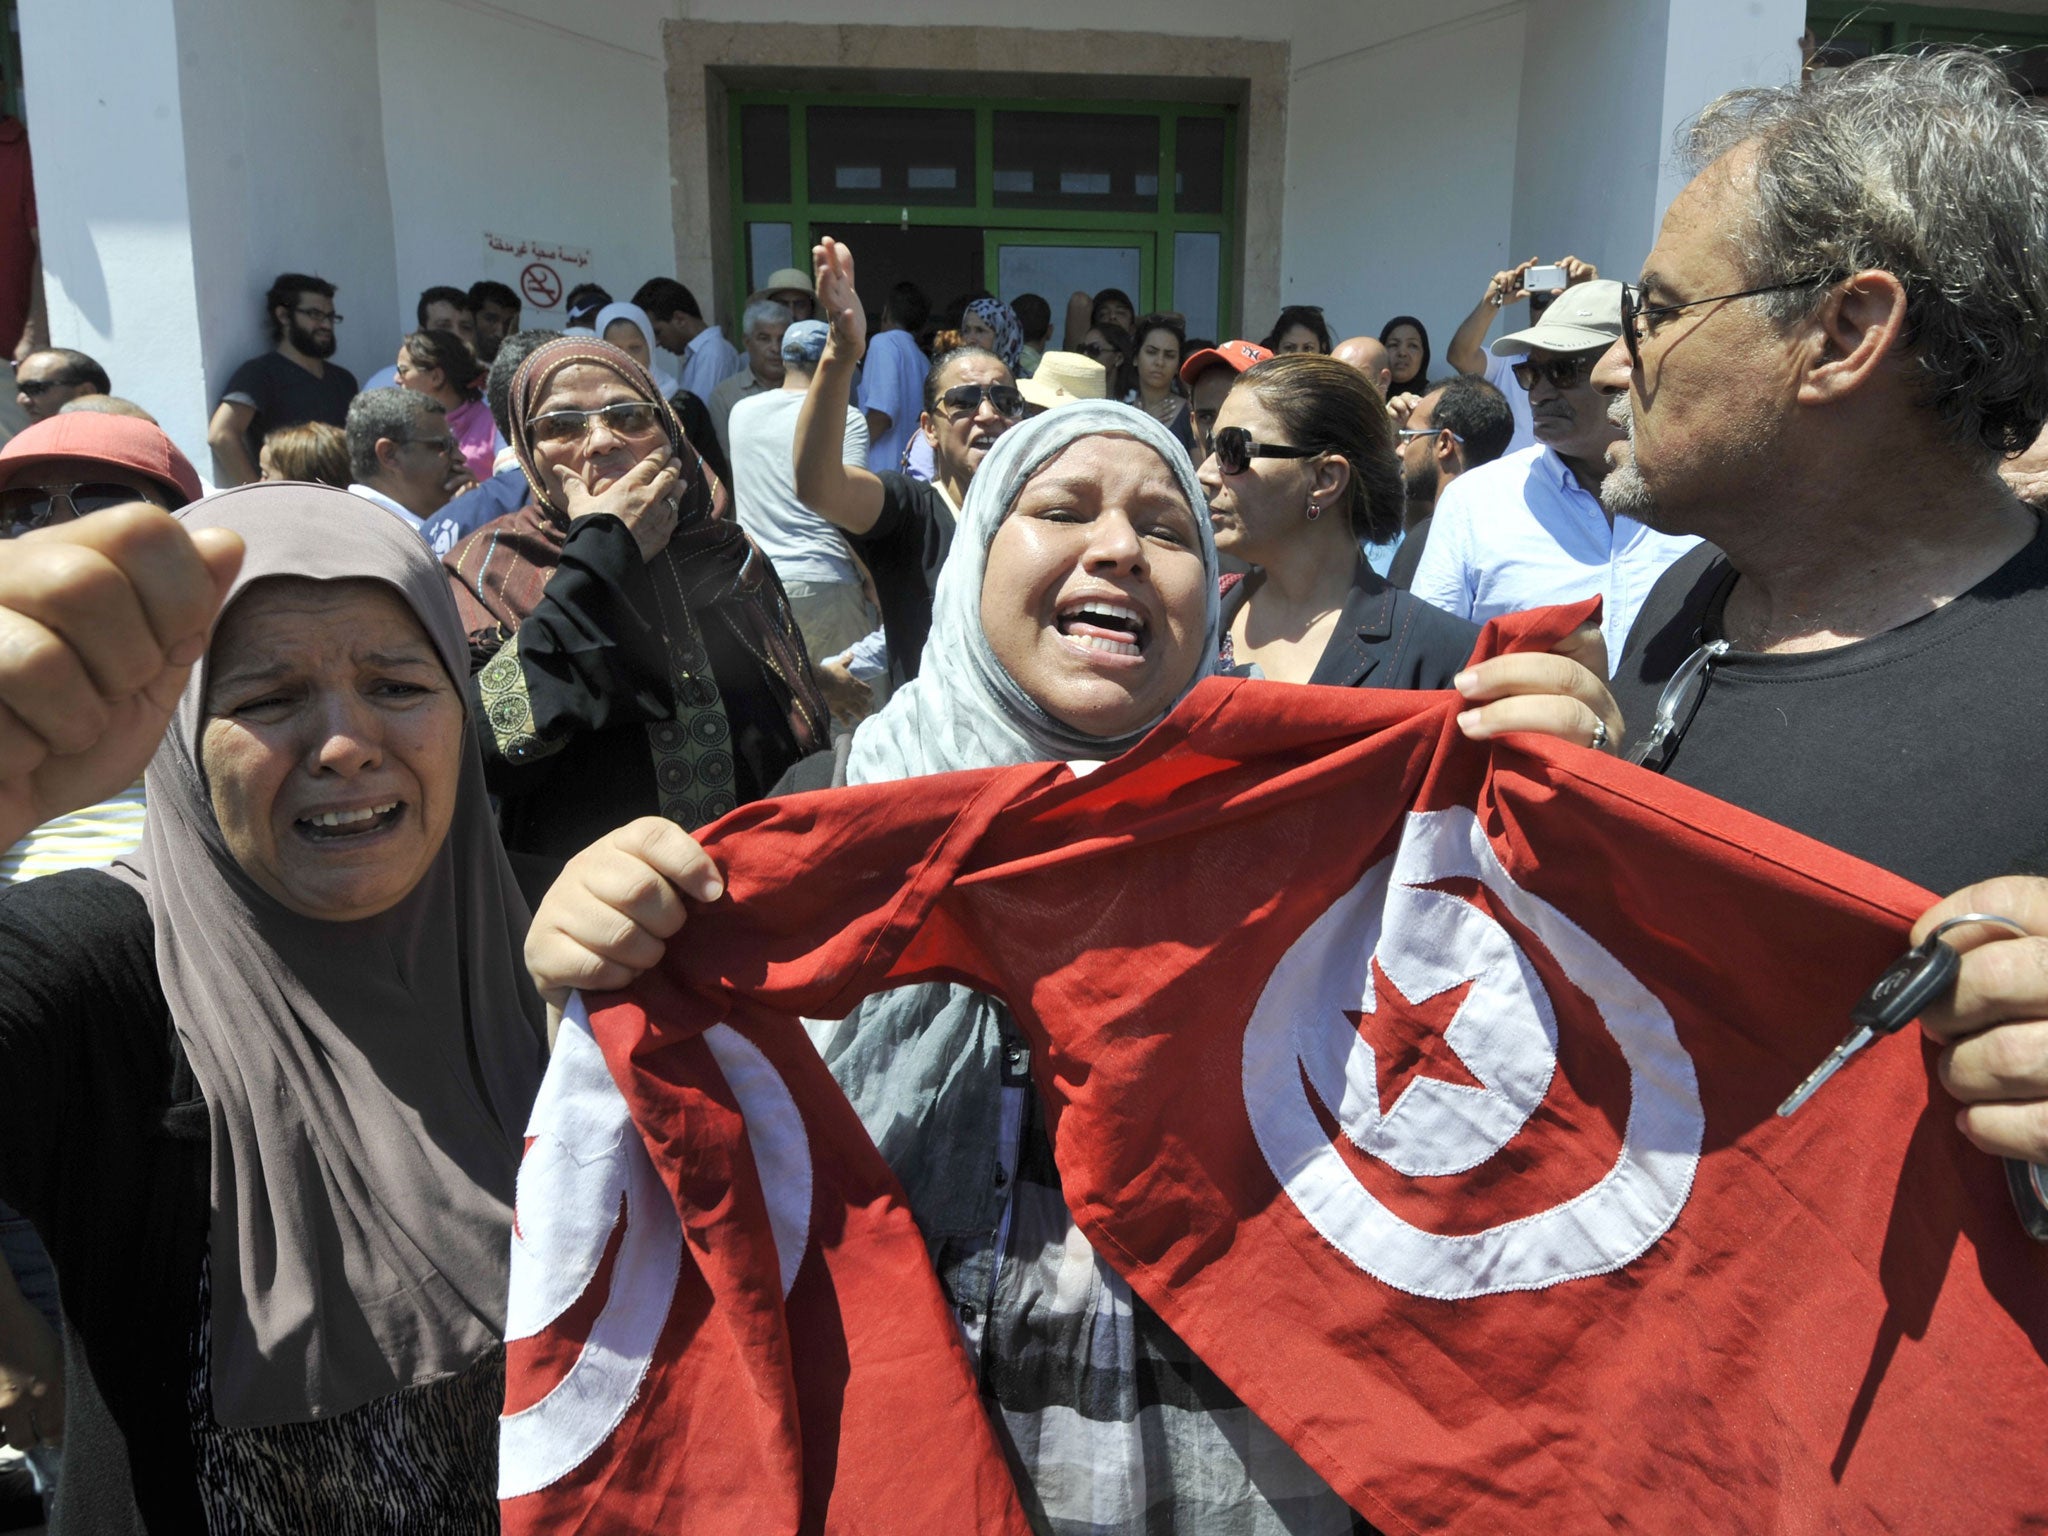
(541, 284)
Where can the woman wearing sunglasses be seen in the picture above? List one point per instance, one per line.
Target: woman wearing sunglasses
(634, 654)
(1303, 470)
(900, 526)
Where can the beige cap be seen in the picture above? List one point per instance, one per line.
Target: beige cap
(1063, 377)
(1584, 316)
(788, 277)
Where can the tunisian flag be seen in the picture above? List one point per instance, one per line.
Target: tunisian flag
(1427, 1090)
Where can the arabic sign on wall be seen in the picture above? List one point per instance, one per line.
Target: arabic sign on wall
(541, 272)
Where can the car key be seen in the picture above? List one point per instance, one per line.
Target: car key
(1923, 975)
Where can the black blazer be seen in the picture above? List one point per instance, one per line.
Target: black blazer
(1385, 638)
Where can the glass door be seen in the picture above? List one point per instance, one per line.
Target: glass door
(1054, 263)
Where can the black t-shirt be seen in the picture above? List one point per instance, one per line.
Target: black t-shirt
(904, 551)
(1920, 750)
(284, 395)
(105, 1146)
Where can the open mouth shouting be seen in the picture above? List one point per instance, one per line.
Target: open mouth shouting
(1103, 625)
(343, 826)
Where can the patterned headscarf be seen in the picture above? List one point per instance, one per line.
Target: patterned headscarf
(1003, 321)
(708, 572)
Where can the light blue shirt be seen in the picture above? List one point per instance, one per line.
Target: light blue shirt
(1522, 532)
(892, 382)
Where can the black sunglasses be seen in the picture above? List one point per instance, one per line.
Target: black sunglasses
(36, 388)
(1235, 450)
(25, 508)
(962, 399)
(1634, 311)
(1567, 372)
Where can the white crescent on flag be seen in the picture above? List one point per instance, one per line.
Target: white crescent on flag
(586, 1170)
(1502, 1042)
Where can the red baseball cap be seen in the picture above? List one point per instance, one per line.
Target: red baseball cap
(128, 441)
(1238, 355)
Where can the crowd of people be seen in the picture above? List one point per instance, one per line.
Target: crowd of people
(318, 781)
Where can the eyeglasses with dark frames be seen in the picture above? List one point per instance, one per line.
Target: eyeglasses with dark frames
(1634, 312)
(25, 508)
(1566, 372)
(1235, 450)
(964, 399)
(329, 315)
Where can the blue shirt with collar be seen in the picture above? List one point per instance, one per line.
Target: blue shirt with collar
(1522, 532)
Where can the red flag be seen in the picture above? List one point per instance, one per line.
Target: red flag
(722, 1317)
(1427, 1090)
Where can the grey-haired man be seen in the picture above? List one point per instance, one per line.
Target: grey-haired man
(1840, 334)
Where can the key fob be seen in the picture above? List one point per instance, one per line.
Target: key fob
(1923, 975)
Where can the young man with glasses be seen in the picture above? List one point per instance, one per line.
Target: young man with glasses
(901, 527)
(1458, 427)
(292, 383)
(1529, 529)
(400, 450)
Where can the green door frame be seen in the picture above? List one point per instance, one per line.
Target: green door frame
(1161, 223)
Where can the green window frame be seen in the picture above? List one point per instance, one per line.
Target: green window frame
(1162, 223)
(1894, 28)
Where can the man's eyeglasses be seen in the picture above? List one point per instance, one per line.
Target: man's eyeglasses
(1634, 312)
(1235, 450)
(1566, 372)
(964, 399)
(36, 388)
(1676, 706)
(319, 314)
(446, 445)
(628, 418)
(25, 508)
(1405, 433)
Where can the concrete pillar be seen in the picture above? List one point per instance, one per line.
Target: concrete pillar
(1605, 86)
(189, 150)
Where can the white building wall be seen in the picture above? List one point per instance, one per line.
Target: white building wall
(543, 124)
(1400, 164)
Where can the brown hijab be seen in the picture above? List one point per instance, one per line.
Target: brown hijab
(709, 573)
(367, 1083)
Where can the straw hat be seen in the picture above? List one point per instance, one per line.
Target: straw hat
(1063, 377)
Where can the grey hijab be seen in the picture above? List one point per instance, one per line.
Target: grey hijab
(963, 710)
(920, 1064)
(366, 1083)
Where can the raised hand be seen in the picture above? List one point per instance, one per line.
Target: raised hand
(838, 302)
(1506, 287)
(646, 498)
(1577, 271)
(101, 620)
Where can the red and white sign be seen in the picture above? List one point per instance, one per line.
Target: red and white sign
(540, 271)
(1427, 1090)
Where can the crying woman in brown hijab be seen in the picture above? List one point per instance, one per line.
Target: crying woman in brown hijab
(634, 654)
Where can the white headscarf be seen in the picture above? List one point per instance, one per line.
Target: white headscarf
(963, 709)
(664, 380)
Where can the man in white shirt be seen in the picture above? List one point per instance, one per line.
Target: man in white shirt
(808, 553)
(400, 451)
(1529, 529)
(708, 359)
(1468, 353)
